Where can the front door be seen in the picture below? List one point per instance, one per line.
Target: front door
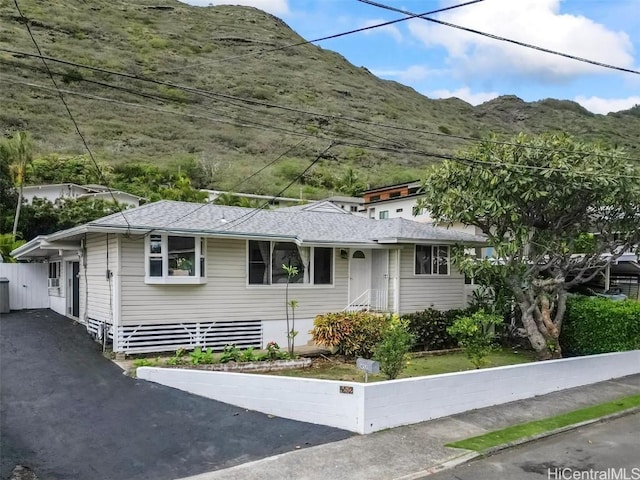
(73, 289)
(359, 277)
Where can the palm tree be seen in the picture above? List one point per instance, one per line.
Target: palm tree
(18, 151)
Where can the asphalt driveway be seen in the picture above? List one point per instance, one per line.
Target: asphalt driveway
(69, 413)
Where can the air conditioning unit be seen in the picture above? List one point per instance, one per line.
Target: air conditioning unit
(54, 283)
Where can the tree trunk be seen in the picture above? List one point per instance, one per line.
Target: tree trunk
(17, 217)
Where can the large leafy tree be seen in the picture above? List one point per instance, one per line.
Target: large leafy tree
(556, 211)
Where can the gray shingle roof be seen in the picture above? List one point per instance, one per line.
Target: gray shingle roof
(304, 225)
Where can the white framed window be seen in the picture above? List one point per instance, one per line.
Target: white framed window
(265, 260)
(175, 259)
(431, 260)
(383, 214)
(54, 274)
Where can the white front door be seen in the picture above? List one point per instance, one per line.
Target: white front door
(359, 276)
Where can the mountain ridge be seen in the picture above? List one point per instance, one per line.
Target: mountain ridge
(228, 128)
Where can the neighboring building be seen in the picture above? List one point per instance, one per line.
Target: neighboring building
(394, 201)
(174, 274)
(400, 201)
(268, 199)
(53, 192)
(354, 205)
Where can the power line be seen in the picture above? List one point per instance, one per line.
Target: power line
(328, 37)
(218, 96)
(502, 39)
(248, 216)
(405, 148)
(73, 120)
(244, 218)
(233, 188)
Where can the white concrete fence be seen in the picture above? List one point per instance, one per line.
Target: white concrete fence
(366, 408)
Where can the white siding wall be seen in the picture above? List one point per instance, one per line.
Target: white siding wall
(418, 292)
(98, 303)
(226, 295)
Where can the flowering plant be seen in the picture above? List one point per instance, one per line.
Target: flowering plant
(273, 350)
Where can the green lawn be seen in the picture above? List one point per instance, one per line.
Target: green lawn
(335, 369)
(516, 432)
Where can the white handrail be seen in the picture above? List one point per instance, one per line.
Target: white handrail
(371, 299)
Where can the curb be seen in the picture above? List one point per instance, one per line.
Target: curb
(466, 458)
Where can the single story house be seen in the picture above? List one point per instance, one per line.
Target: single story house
(174, 274)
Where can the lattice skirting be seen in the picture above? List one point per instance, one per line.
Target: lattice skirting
(170, 337)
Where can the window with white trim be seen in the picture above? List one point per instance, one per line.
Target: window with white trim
(265, 261)
(432, 260)
(175, 259)
(54, 274)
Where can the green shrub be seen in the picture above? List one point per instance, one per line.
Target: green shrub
(598, 325)
(392, 351)
(475, 334)
(429, 327)
(199, 356)
(354, 334)
(230, 353)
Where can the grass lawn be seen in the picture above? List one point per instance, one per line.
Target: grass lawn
(336, 369)
(515, 432)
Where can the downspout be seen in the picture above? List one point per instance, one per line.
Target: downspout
(83, 259)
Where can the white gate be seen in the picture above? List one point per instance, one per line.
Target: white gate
(27, 285)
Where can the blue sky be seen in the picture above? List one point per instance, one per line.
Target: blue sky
(442, 62)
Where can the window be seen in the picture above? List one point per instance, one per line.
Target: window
(54, 274)
(398, 210)
(372, 213)
(265, 261)
(383, 214)
(395, 194)
(374, 198)
(432, 260)
(175, 259)
(354, 208)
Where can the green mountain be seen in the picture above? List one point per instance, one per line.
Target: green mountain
(233, 125)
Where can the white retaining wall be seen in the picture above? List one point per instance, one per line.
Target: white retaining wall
(308, 400)
(376, 406)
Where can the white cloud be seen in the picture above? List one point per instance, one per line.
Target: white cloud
(414, 73)
(537, 22)
(387, 29)
(607, 105)
(276, 7)
(464, 94)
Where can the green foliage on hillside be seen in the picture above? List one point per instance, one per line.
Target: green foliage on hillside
(214, 49)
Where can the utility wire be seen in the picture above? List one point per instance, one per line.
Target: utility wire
(254, 211)
(218, 96)
(73, 120)
(329, 37)
(405, 149)
(233, 188)
(502, 39)
(247, 217)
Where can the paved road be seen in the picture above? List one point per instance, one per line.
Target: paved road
(612, 446)
(69, 413)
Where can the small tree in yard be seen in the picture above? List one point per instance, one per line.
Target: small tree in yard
(291, 272)
(537, 198)
(392, 351)
(475, 335)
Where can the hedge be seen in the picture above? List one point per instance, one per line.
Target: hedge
(598, 325)
(429, 327)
